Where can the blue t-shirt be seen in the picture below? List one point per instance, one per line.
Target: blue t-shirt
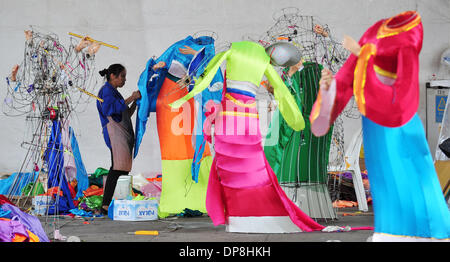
(113, 105)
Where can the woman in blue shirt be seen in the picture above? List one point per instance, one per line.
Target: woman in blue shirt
(115, 117)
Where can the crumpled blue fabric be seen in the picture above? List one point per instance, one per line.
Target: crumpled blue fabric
(82, 175)
(111, 210)
(54, 157)
(22, 179)
(81, 212)
(5, 213)
(149, 85)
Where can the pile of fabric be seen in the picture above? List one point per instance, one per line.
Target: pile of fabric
(85, 201)
(144, 186)
(342, 191)
(18, 226)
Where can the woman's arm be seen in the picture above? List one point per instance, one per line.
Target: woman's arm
(132, 99)
(134, 96)
(132, 108)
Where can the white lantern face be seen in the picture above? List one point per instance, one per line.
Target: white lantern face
(283, 54)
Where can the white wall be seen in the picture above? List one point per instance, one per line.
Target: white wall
(142, 29)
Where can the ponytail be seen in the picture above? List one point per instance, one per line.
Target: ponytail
(103, 72)
(114, 69)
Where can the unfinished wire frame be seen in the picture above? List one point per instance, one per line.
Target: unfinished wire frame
(49, 87)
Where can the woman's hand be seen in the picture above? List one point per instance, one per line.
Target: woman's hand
(295, 68)
(84, 42)
(159, 65)
(14, 71)
(28, 34)
(93, 48)
(267, 86)
(132, 99)
(187, 50)
(136, 95)
(320, 30)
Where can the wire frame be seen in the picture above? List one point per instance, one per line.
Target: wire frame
(209, 33)
(50, 70)
(49, 86)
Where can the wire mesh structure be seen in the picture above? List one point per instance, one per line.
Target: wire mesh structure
(320, 49)
(188, 80)
(49, 87)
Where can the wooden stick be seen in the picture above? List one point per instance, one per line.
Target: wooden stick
(93, 40)
(90, 94)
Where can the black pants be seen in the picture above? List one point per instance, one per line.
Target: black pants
(111, 181)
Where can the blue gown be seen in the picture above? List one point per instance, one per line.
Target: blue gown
(407, 199)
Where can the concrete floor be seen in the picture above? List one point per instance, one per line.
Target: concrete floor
(198, 229)
(197, 239)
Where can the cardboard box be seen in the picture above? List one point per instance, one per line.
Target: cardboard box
(41, 204)
(135, 210)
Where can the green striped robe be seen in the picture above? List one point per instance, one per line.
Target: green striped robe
(300, 157)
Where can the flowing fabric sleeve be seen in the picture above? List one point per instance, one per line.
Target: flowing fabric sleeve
(387, 105)
(143, 105)
(286, 102)
(203, 81)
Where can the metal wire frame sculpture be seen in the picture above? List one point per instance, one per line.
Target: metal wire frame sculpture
(50, 86)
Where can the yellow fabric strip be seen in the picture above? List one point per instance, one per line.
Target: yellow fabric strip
(286, 102)
(316, 109)
(248, 62)
(33, 237)
(385, 31)
(359, 81)
(239, 103)
(234, 113)
(385, 73)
